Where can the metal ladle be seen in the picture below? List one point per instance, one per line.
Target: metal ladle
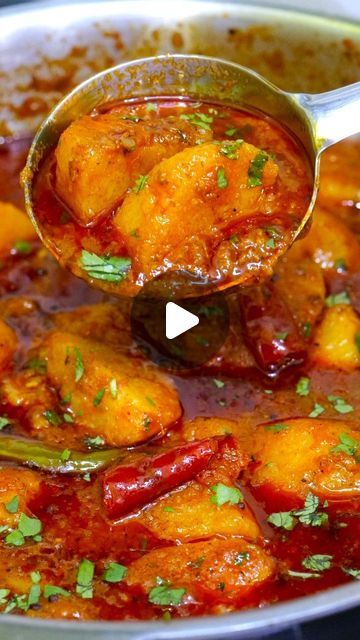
(317, 120)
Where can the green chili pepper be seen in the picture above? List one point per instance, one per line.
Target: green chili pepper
(36, 454)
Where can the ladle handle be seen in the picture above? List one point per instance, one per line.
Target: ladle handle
(335, 115)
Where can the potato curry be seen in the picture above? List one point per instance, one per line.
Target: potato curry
(128, 492)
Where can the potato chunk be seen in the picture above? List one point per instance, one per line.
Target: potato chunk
(306, 455)
(99, 158)
(20, 483)
(189, 514)
(14, 225)
(328, 241)
(106, 322)
(8, 344)
(123, 399)
(200, 567)
(206, 427)
(300, 283)
(195, 511)
(188, 207)
(335, 339)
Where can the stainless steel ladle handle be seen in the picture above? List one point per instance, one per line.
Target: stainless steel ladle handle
(335, 115)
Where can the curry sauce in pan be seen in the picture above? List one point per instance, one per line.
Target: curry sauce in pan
(128, 492)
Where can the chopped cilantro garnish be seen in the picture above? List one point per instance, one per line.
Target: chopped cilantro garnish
(51, 590)
(219, 384)
(256, 169)
(317, 410)
(340, 405)
(354, 573)
(282, 519)
(114, 572)
(164, 595)
(37, 364)
(347, 445)
(84, 579)
(13, 505)
(109, 268)
(52, 417)
(271, 243)
(317, 562)
(277, 427)
(15, 538)
(200, 120)
(66, 455)
(307, 329)
(79, 365)
(281, 335)
(94, 443)
(98, 397)
(337, 298)
(229, 149)
(303, 386)
(146, 423)
(28, 526)
(230, 132)
(222, 182)
(68, 418)
(22, 246)
(357, 341)
(4, 422)
(151, 106)
(302, 575)
(140, 183)
(224, 494)
(151, 401)
(309, 513)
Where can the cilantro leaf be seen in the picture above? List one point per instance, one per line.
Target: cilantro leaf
(277, 427)
(98, 397)
(164, 595)
(303, 386)
(198, 119)
(222, 181)
(79, 365)
(347, 445)
(13, 505)
(51, 590)
(229, 149)
(84, 578)
(340, 405)
(337, 298)
(317, 562)
(317, 410)
(224, 494)
(282, 519)
(114, 572)
(140, 183)
(109, 268)
(256, 169)
(4, 422)
(302, 575)
(354, 573)
(309, 514)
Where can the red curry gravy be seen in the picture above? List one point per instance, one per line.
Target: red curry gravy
(274, 369)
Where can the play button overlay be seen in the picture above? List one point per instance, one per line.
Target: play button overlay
(178, 320)
(178, 333)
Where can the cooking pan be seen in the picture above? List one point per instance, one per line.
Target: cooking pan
(48, 47)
